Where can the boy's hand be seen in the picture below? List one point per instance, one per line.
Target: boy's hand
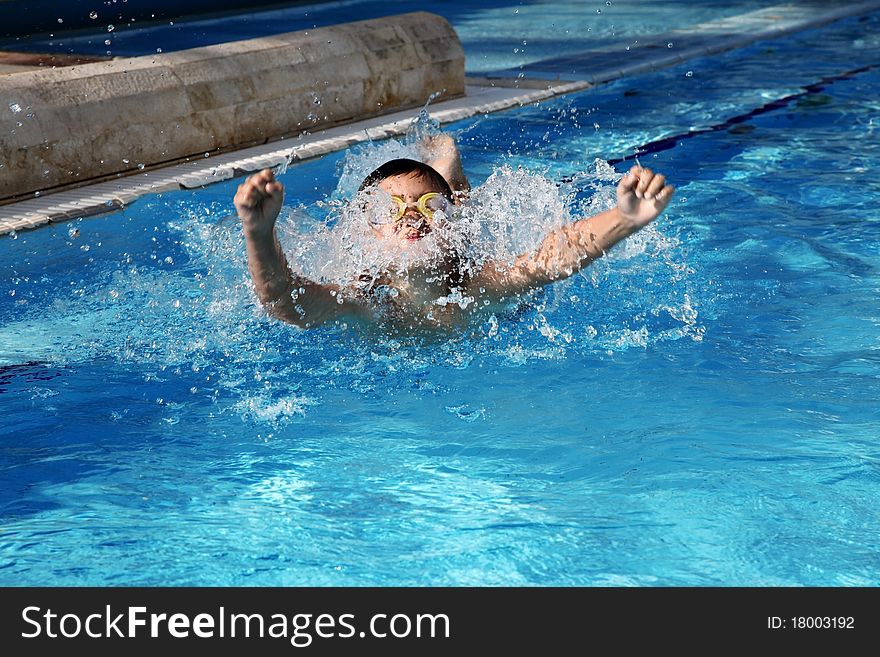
(258, 202)
(642, 195)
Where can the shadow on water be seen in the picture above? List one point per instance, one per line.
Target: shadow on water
(29, 372)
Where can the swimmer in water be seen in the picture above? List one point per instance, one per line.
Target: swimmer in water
(415, 200)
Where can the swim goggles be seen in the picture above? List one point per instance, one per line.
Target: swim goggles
(427, 205)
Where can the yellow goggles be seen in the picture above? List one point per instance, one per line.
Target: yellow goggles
(427, 205)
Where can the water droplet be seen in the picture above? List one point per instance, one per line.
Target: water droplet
(37, 194)
(111, 27)
(598, 11)
(207, 154)
(140, 165)
(125, 160)
(158, 50)
(60, 20)
(689, 74)
(107, 42)
(73, 233)
(516, 11)
(93, 15)
(15, 107)
(669, 45)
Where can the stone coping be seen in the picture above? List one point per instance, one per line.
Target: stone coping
(74, 124)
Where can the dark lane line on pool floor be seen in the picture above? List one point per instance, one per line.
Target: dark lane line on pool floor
(667, 143)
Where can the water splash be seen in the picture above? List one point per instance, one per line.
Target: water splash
(507, 215)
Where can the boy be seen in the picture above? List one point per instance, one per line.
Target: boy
(413, 200)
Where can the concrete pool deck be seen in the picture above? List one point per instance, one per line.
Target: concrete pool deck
(489, 93)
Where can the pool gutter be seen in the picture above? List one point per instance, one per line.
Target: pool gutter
(111, 195)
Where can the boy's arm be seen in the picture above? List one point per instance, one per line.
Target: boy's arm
(642, 196)
(442, 154)
(286, 296)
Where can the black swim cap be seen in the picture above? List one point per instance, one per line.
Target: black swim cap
(403, 166)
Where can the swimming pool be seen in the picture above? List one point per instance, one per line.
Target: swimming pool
(700, 408)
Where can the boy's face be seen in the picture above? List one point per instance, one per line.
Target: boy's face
(414, 224)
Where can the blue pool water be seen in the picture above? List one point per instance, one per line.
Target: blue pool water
(700, 408)
(495, 34)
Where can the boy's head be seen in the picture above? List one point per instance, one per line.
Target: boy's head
(406, 167)
(417, 193)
